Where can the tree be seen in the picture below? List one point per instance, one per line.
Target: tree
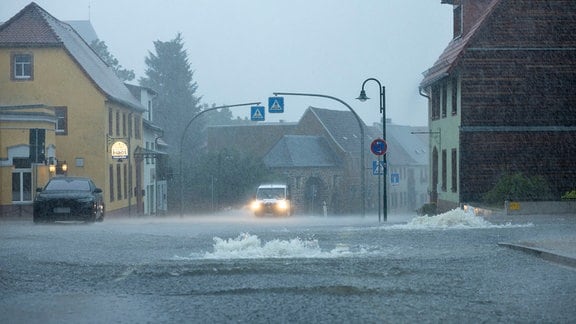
(168, 72)
(226, 178)
(218, 117)
(223, 117)
(102, 50)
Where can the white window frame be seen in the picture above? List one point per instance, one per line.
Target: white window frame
(20, 173)
(23, 69)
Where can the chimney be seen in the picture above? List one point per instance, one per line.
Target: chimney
(466, 14)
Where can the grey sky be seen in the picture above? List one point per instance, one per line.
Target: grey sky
(243, 51)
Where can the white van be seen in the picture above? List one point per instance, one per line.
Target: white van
(272, 199)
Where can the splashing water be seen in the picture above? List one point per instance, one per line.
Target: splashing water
(250, 246)
(247, 246)
(454, 219)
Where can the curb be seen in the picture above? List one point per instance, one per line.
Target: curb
(542, 253)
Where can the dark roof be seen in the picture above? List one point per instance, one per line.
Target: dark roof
(34, 27)
(343, 128)
(136, 90)
(405, 147)
(449, 58)
(301, 151)
(85, 29)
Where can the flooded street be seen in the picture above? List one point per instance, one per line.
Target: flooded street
(239, 268)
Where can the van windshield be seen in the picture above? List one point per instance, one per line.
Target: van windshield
(271, 193)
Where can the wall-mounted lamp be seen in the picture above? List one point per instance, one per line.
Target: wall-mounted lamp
(61, 167)
(52, 168)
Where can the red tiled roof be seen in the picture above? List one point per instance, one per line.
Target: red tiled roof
(33, 27)
(28, 27)
(449, 58)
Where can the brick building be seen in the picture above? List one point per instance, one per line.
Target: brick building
(501, 98)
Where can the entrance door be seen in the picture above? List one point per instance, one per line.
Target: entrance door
(314, 196)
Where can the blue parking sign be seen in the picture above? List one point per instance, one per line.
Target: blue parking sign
(395, 178)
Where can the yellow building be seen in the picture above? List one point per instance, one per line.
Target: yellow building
(61, 104)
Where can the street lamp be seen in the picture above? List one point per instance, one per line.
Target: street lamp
(181, 175)
(362, 171)
(362, 97)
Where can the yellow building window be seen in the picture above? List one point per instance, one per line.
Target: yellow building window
(22, 67)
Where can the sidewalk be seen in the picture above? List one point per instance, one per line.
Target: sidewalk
(558, 251)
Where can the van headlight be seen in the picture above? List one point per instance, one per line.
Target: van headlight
(282, 204)
(255, 205)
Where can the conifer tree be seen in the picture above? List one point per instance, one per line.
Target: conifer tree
(168, 72)
(101, 49)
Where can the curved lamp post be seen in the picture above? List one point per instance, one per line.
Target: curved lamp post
(362, 97)
(362, 172)
(182, 142)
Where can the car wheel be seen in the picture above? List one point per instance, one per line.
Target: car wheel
(91, 218)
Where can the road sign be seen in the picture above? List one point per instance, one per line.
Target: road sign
(257, 113)
(378, 167)
(379, 146)
(395, 178)
(276, 105)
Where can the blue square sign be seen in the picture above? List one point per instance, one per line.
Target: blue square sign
(257, 113)
(275, 105)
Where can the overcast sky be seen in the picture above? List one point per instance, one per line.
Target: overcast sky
(244, 50)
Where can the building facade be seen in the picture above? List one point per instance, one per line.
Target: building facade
(319, 158)
(501, 98)
(152, 156)
(71, 109)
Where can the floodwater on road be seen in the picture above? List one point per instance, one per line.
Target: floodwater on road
(238, 268)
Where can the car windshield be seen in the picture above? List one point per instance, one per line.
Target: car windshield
(270, 193)
(68, 184)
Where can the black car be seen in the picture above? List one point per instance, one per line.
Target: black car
(69, 198)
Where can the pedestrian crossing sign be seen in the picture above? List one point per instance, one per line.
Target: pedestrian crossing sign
(378, 167)
(276, 105)
(257, 113)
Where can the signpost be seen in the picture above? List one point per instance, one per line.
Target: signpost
(379, 148)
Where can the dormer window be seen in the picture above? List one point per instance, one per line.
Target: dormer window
(457, 12)
(22, 67)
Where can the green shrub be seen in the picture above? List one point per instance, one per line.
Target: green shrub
(518, 187)
(427, 209)
(569, 195)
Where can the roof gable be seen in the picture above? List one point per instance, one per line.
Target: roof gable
(511, 25)
(405, 146)
(342, 127)
(301, 151)
(448, 59)
(27, 27)
(85, 29)
(33, 26)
